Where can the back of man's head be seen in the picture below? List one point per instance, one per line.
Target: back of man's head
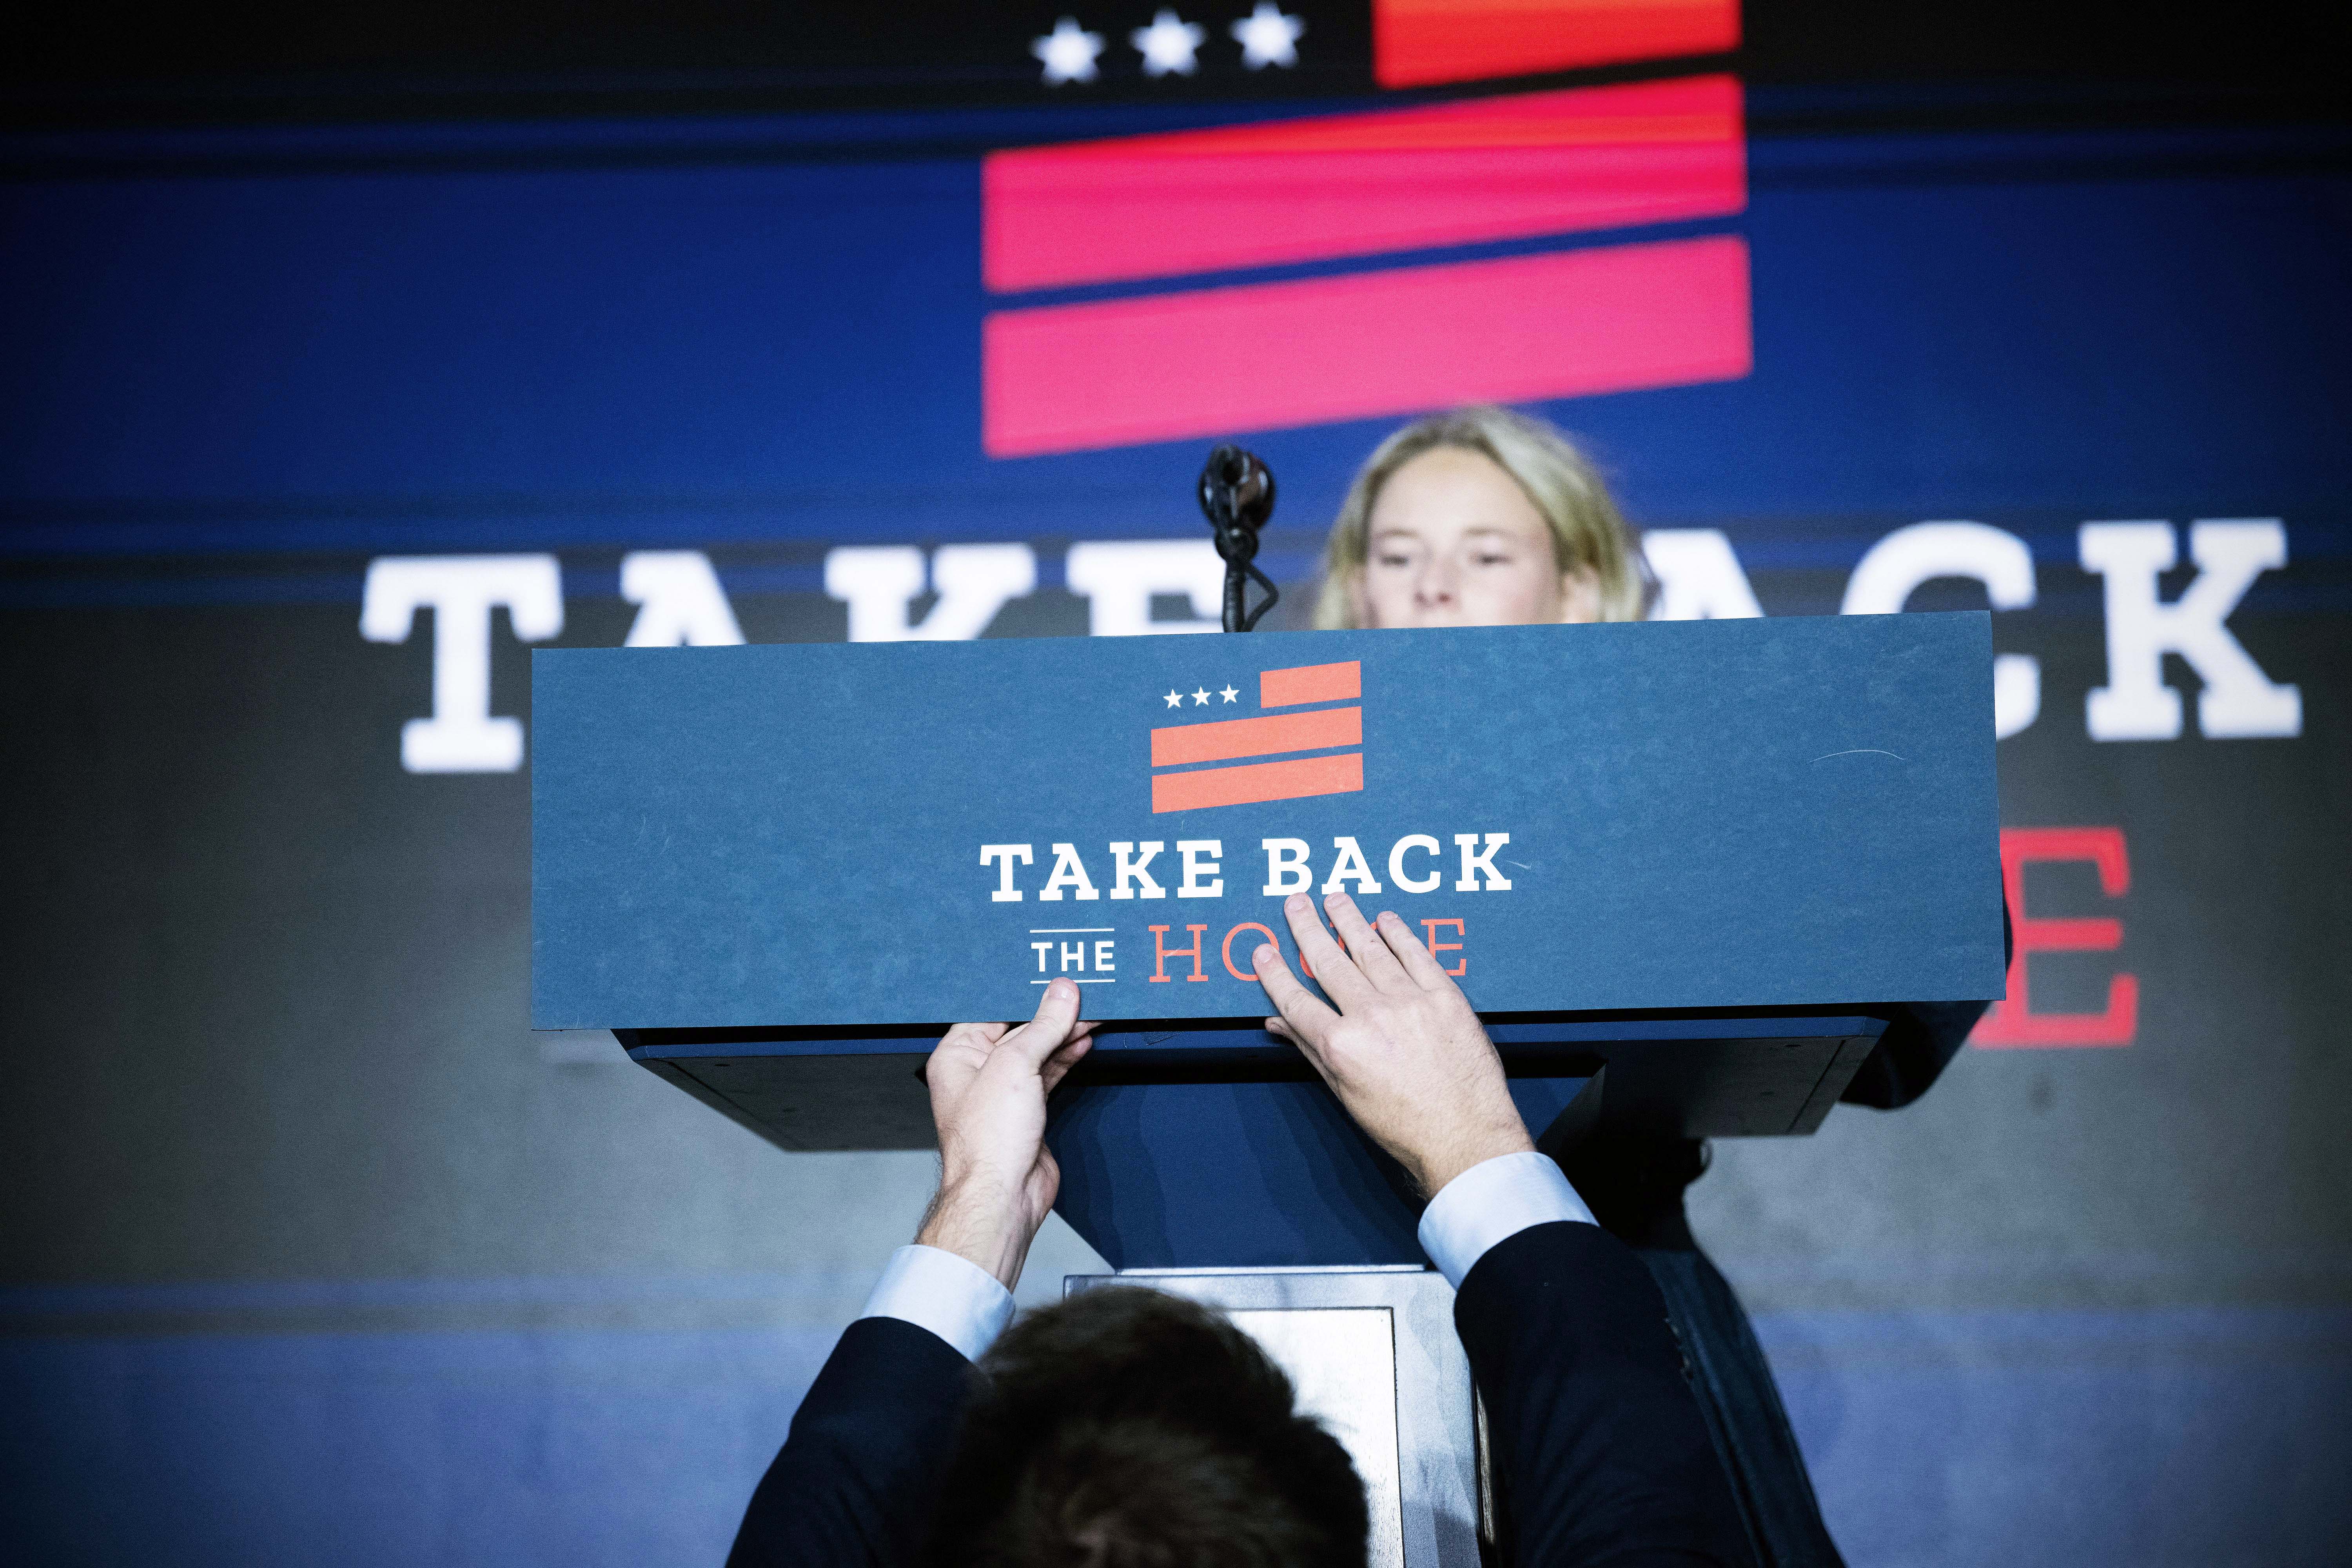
(1128, 1428)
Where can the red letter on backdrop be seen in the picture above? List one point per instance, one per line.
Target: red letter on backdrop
(1162, 952)
(1461, 966)
(1228, 948)
(2014, 1022)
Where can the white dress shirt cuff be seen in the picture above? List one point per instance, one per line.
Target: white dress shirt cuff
(1491, 1202)
(953, 1297)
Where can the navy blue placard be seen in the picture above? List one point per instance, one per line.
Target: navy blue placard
(1715, 814)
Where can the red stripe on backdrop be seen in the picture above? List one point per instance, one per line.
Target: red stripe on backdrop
(1417, 42)
(1301, 190)
(1068, 378)
(1253, 781)
(1222, 742)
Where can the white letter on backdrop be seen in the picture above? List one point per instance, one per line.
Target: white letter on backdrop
(972, 581)
(1003, 856)
(1286, 870)
(1125, 868)
(1428, 845)
(1200, 867)
(1350, 867)
(461, 737)
(1474, 860)
(1698, 576)
(1119, 580)
(680, 602)
(1069, 872)
(2135, 704)
(1908, 557)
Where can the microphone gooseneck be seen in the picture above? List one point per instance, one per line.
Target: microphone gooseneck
(1237, 496)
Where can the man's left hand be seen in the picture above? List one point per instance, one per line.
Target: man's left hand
(989, 1084)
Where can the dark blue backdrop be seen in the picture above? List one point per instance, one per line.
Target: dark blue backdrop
(296, 1270)
(371, 341)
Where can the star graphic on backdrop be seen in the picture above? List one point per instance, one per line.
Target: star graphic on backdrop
(1068, 52)
(1201, 698)
(1230, 695)
(1168, 44)
(1175, 699)
(1268, 38)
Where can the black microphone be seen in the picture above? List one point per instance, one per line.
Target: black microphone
(1237, 496)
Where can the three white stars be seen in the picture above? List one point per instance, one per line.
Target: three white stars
(1201, 698)
(1170, 46)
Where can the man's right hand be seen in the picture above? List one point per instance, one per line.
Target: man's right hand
(989, 1083)
(1403, 1050)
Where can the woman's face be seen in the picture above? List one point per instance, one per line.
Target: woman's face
(1454, 542)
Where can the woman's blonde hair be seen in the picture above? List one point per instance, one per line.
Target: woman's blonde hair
(1586, 533)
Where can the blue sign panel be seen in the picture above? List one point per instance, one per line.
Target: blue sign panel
(1712, 814)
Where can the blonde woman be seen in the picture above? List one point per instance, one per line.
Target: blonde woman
(1483, 517)
(1479, 517)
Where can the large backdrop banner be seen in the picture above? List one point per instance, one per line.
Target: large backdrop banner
(311, 1250)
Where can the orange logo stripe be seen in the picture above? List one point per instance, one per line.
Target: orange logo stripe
(1311, 683)
(1258, 782)
(1257, 737)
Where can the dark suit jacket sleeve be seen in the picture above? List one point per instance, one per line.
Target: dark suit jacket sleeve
(1598, 1443)
(854, 1481)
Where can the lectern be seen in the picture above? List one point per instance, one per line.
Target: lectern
(1686, 871)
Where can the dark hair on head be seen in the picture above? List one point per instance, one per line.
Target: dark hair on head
(1129, 1428)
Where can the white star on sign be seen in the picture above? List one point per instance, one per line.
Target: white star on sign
(1268, 38)
(1201, 698)
(1175, 699)
(1168, 44)
(1231, 695)
(1068, 52)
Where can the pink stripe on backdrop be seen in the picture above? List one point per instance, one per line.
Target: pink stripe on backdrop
(1303, 190)
(1220, 361)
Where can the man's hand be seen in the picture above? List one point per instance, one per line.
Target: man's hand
(989, 1084)
(1405, 1053)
